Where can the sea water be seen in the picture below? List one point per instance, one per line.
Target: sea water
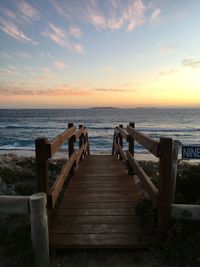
(20, 127)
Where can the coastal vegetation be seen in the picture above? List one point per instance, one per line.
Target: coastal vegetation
(182, 244)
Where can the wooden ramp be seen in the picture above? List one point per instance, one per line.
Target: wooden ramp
(97, 210)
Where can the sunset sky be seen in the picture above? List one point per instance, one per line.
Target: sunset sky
(83, 53)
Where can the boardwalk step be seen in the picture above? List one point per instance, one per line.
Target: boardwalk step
(98, 208)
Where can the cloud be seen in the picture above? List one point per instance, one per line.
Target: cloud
(191, 63)
(155, 15)
(78, 48)
(111, 90)
(61, 38)
(11, 22)
(167, 72)
(46, 70)
(22, 55)
(107, 69)
(168, 49)
(56, 34)
(12, 30)
(59, 64)
(28, 12)
(63, 90)
(10, 70)
(75, 32)
(117, 14)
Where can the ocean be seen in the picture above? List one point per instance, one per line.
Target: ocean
(20, 127)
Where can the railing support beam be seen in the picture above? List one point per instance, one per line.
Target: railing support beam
(42, 164)
(165, 184)
(131, 144)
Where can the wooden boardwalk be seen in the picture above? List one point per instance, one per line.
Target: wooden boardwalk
(97, 209)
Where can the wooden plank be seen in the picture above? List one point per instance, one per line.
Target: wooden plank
(94, 229)
(81, 195)
(58, 141)
(96, 219)
(102, 186)
(58, 184)
(99, 199)
(150, 144)
(146, 181)
(95, 240)
(97, 212)
(14, 204)
(111, 190)
(99, 205)
(102, 178)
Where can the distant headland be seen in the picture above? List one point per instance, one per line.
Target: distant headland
(103, 108)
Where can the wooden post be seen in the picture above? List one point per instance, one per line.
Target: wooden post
(165, 184)
(39, 229)
(113, 145)
(117, 143)
(42, 165)
(81, 141)
(120, 140)
(88, 144)
(174, 167)
(71, 148)
(131, 145)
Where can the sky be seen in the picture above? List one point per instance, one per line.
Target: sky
(84, 53)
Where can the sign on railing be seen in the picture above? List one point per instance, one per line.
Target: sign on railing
(191, 152)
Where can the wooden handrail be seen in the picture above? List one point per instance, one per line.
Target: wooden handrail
(146, 181)
(46, 149)
(122, 153)
(123, 133)
(80, 152)
(61, 178)
(167, 152)
(150, 144)
(59, 140)
(81, 131)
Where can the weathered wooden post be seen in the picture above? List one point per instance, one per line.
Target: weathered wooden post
(176, 145)
(113, 144)
(120, 140)
(117, 143)
(165, 184)
(42, 165)
(39, 229)
(71, 147)
(81, 140)
(88, 145)
(131, 145)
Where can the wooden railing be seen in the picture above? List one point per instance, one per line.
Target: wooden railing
(46, 149)
(167, 152)
(35, 206)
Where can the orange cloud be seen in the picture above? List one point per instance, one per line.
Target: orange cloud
(16, 89)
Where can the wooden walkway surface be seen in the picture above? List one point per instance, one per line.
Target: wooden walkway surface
(97, 209)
